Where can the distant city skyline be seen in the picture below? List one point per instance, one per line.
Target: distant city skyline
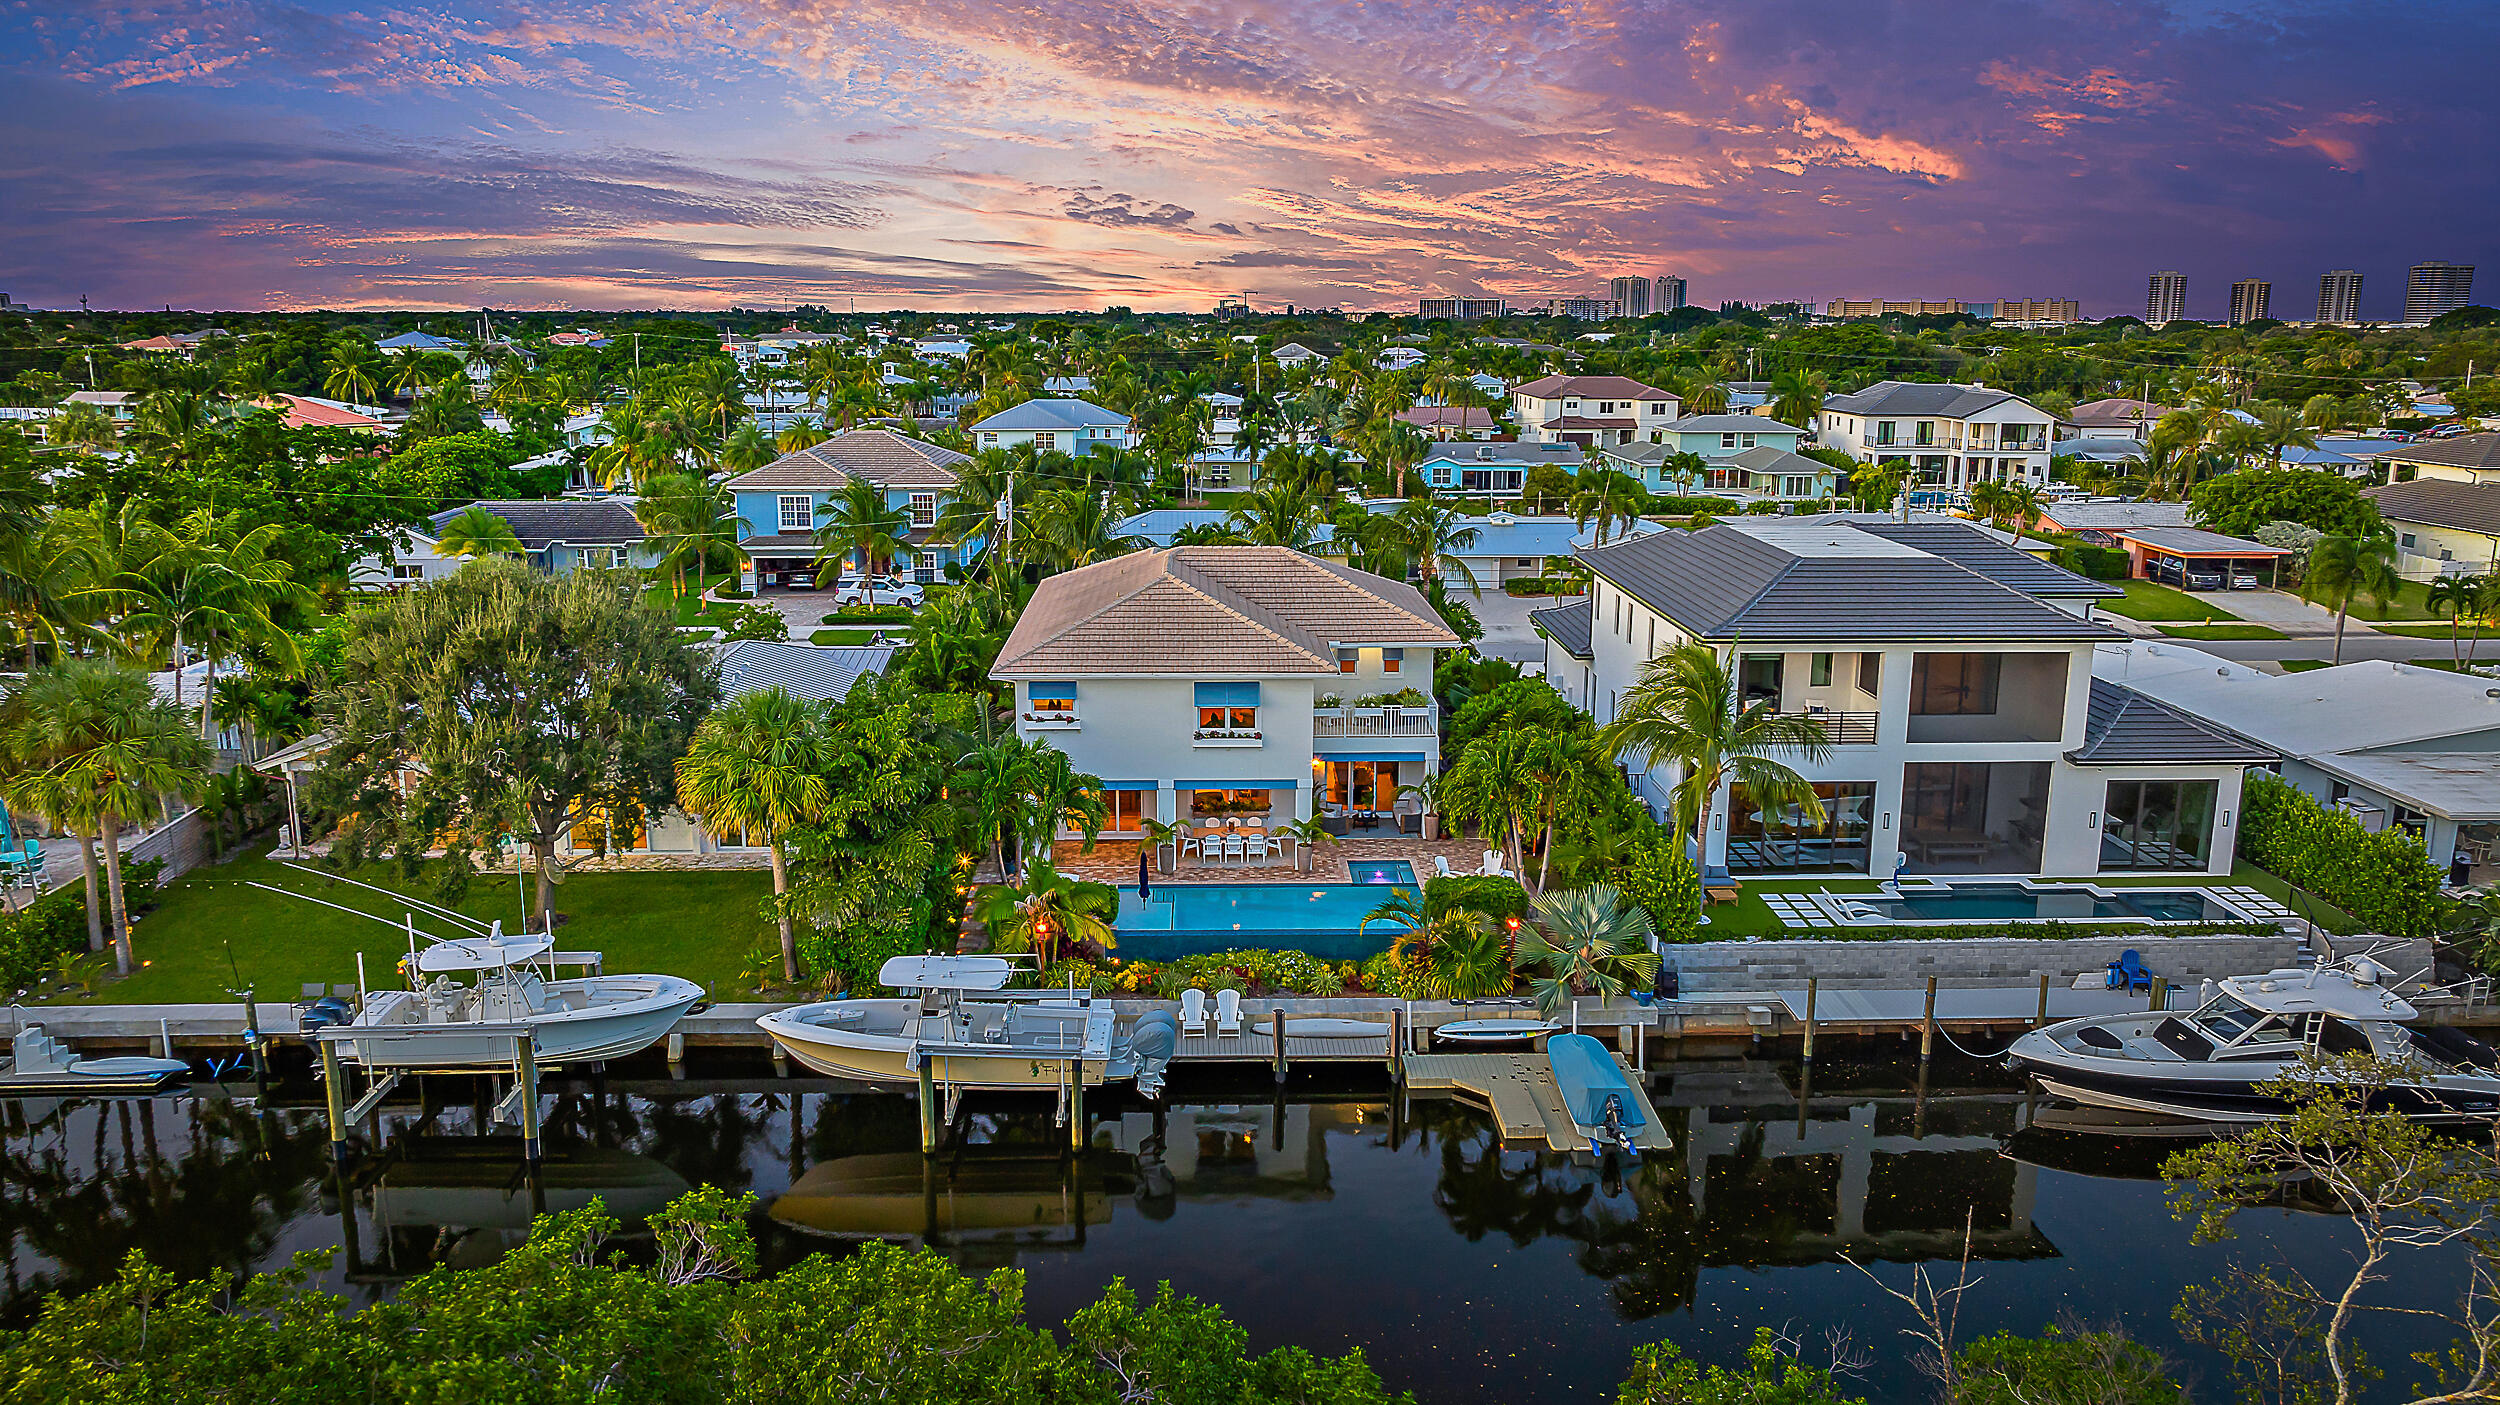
(964, 154)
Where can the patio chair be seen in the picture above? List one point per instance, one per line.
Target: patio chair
(1441, 866)
(1193, 1011)
(1190, 844)
(1492, 863)
(1234, 849)
(1719, 886)
(2129, 972)
(1228, 1014)
(1275, 848)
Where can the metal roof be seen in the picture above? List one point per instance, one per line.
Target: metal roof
(1567, 625)
(1730, 424)
(809, 671)
(2196, 541)
(1051, 415)
(2124, 727)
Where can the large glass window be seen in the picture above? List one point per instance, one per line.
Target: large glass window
(1222, 804)
(2158, 824)
(1973, 817)
(1786, 839)
(1232, 706)
(1946, 685)
(1363, 785)
(1125, 811)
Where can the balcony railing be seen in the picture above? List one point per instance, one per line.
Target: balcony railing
(1376, 722)
(1843, 728)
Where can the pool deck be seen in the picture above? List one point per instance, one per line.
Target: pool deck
(1115, 861)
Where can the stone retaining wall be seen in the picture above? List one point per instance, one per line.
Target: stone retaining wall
(1707, 968)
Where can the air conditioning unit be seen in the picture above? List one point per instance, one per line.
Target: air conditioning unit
(2372, 818)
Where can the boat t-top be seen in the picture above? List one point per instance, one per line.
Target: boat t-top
(471, 997)
(2208, 1063)
(958, 1019)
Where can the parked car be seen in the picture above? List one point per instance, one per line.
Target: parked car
(856, 589)
(2242, 578)
(2204, 577)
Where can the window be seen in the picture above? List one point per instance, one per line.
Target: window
(407, 573)
(1927, 431)
(932, 565)
(2157, 824)
(989, 438)
(1727, 441)
(1125, 811)
(1052, 699)
(1361, 785)
(1748, 440)
(1392, 660)
(1820, 676)
(1228, 707)
(1441, 475)
(1046, 442)
(798, 512)
(1883, 431)
(1870, 673)
(1657, 407)
(924, 509)
(2405, 541)
(1347, 658)
(1948, 685)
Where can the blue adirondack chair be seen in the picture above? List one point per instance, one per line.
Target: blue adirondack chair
(2129, 972)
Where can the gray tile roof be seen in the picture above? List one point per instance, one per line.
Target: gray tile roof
(880, 456)
(573, 521)
(2112, 516)
(1050, 415)
(1945, 401)
(2196, 541)
(2124, 727)
(1766, 458)
(809, 671)
(1826, 582)
(1567, 625)
(1965, 545)
(2440, 502)
(2462, 451)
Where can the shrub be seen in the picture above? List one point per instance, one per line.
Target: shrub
(1661, 881)
(871, 614)
(1497, 898)
(2100, 563)
(1403, 697)
(2384, 880)
(35, 938)
(754, 622)
(729, 590)
(1530, 586)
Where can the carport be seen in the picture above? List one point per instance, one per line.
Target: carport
(2170, 554)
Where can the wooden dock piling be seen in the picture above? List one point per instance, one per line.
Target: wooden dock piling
(525, 1047)
(1813, 987)
(334, 1096)
(2043, 1017)
(928, 1108)
(1927, 1025)
(1276, 1021)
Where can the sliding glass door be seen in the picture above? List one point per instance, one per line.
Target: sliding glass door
(2166, 825)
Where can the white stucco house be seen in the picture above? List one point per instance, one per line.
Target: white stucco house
(1953, 435)
(1206, 681)
(1063, 426)
(1592, 410)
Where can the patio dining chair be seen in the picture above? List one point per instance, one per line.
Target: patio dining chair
(1234, 850)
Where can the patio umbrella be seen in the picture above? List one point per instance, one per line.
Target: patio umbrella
(1145, 879)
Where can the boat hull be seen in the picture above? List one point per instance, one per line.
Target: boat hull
(888, 1061)
(607, 1031)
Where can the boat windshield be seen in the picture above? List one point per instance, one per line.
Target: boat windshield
(2228, 1022)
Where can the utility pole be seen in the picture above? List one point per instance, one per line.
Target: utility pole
(1007, 522)
(637, 355)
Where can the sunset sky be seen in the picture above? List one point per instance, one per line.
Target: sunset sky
(1018, 154)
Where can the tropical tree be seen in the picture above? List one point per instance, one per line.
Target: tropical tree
(1704, 394)
(1075, 527)
(746, 449)
(2462, 598)
(1686, 709)
(1587, 941)
(476, 532)
(1607, 497)
(349, 376)
(1278, 512)
(1879, 485)
(757, 766)
(1048, 912)
(692, 522)
(80, 426)
(2344, 566)
(1429, 534)
(196, 586)
(1797, 396)
(861, 525)
(799, 434)
(2281, 427)
(1394, 447)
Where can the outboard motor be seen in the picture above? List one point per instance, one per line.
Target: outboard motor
(1614, 1127)
(1151, 1041)
(321, 1014)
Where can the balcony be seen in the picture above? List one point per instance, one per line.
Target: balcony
(1329, 722)
(1843, 728)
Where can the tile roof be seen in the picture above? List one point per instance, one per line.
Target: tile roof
(1730, 424)
(2112, 516)
(1586, 422)
(1769, 458)
(1567, 625)
(1192, 611)
(304, 412)
(809, 671)
(1969, 545)
(1458, 416)
(1944, 400)
(1797, 578)
(2440, 502)
(1599, 387)
(2123, 727)
(1050, 414)
(2117, 410)
(574, 521)
(2461, 451)
(880, 456)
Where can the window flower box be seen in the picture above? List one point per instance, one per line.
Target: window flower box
(1053, 721)
(1227, 736)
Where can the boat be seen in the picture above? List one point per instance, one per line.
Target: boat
(959, 1022)
(42, 1066)
(443, 1022)
(2207, 1064)
(1491, 1031)
(1595, 1093)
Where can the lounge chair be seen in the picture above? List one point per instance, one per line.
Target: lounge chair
(1719, 886)
(1193, 1011)
(2129, 972)
(1228, 1014)
(1492, 864)
(1441, 867)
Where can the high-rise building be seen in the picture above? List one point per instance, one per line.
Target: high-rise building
(2249, 297)
(2433, 288)
(1586, 309)
(2339, 296)
(1668, 294)
(1630, 294)
(2054, 310)
(2166, 300)
(1461, 309)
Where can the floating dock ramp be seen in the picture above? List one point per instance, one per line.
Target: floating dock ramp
(1520, 1091)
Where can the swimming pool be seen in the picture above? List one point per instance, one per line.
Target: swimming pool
(1186, 919)
(1397, 873)
(2028, 902)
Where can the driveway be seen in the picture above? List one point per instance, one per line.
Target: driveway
(2276, 609)
(1507, 633)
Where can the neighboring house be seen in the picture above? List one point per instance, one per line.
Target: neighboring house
(1514, 546)
(1953, 676)
(1495, 469)
(1294, 355)
(1398, 358)
(2396, 744)
(1760, 473)
(952, 349)
(589, 339)
(1451, 421)
(1158, 526)
(945, 405)
(409, 343)
(1955, 436)
(783, 503)
(1570, 661)
(1189, 681)
(2462, 458)
(1591, 410)
(2100, 520)
(1068, 385)
(2443, 527)
(1074, 427)
(119, 406)
(2114, 453)
(307, 412)
(559, 535)
(2116, 418)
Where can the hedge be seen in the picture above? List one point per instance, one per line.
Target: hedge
(1660, 880)
(1528, 587)
(2100, 563)
(2384, 880)
(1496, 898)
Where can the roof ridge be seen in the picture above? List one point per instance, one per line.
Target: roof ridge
(1250, 612)
(1121, 598)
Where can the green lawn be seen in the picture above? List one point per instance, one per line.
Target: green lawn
(894, 634)
(701, 925)
(2304, 665)
(2153, 602)
(2222, 631)
(2410, 603)
(2425, 631)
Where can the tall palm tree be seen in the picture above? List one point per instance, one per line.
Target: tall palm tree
(1687, 709)
(859, 523)
(2019, 498)
(2282, 427)
(2462, 597)
(80, 426)
(758, 766)
(1395, 447)
(747, 449)
(692, 522)
(477, 532)
(2343, 566)
(1075, 527)
(349, 376)
(630, 448)
(800, 434)
(1429, 534)
(1587, 941)
(1607, 496)
(1797, 396)
(196, 587)
(1278, 512)
(1705, 393)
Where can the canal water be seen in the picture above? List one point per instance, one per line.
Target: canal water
(1466, 1272)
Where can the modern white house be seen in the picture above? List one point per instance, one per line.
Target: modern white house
(1953, 435)
(1591, 410)
(1954, 678)
(559, 535)
(1076, 427)
(1213, 681)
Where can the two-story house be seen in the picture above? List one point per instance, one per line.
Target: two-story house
(1955, 436)
(1591, 410)
(1075, 427)
(1207, 681)
(1953, 678)
(558, 536)
(781, 505)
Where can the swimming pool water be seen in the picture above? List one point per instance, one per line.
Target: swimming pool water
(2012, 902)
(1397, 873)
(1186, 919)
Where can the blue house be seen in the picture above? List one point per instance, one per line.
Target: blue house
(782, 502)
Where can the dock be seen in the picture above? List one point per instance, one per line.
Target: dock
(1520, 1091)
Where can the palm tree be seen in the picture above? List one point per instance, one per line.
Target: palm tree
(2460, 596)
(2240, 441)
(2283, 427)
(475, 532)
(630, 447)
(1075, 527)
(1687, 709)
(692, 522)
(193, 587)
(349, 376)
(1797, 396)
(1395, 447)
(1587, 940)
(861, 524)
(1047, 912)
(2174, 443)
(1429, 534)
(801, 434)
(1880, 484)
(1278, 512)
(80, 426)
(1704, 394)
(747, 449)
(1607, 496)
(2342, 566)
(758, 766)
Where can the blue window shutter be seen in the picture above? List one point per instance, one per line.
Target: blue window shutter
(1398, 654)
(1212, 695)
(1228, 695)
(1050, 690)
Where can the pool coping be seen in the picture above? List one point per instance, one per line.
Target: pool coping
(1837, 906)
